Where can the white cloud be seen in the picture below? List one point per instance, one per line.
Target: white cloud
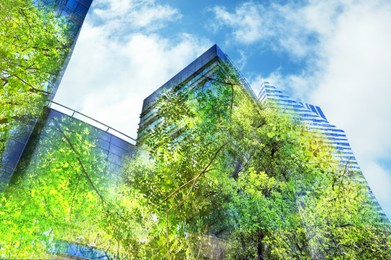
(380, 179)
(276, 25)
(246, 22)
(144, 15)
(109, 75)
(354, 87)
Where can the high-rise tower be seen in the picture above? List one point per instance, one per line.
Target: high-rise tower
(73, 12)
(195, 74)
(208, 109)
(203, 69)
(316, 121)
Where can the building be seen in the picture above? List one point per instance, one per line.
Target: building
(314, 117)
(74, 12)
(204, 69)
(112, 146)
(316, 121)
(109, 151)
(27, 139)
(200, 71)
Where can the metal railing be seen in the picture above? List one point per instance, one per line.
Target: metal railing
(87, 119)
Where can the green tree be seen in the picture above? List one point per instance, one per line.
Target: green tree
(60, 193)
(223, 175)
(33, 46)
(59, 196)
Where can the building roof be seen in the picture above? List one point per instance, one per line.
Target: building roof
(214, 53)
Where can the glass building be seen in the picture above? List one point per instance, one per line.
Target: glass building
(29, 141)
(316, 121)
(196, 73)
(202, 69)
(74, 12)
(104, 152)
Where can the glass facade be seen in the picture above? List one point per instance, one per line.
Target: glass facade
(74, 11)
(114, 150)
(27, 138)
(201, 70)
(105, 155)
(196, 68)
(14, 148)
(195, 74)
(316, 121)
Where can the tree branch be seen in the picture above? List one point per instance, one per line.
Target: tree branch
(199, 175)
(187, 195)
(73, 196)
(32, 88)
(80, 162)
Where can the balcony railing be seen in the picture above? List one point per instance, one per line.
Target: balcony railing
(91, 121)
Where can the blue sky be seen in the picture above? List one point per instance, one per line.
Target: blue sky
(335, 54)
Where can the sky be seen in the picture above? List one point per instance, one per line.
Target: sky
(335, 54)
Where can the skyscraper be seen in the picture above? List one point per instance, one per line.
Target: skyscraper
(25, 141)
(315, 119)
(74, 12)
(204, 68)
(272, 138)
(201, 70)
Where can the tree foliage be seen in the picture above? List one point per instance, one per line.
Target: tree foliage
(33, 45)
(218, 176)
(61, 193)
(224, 176)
